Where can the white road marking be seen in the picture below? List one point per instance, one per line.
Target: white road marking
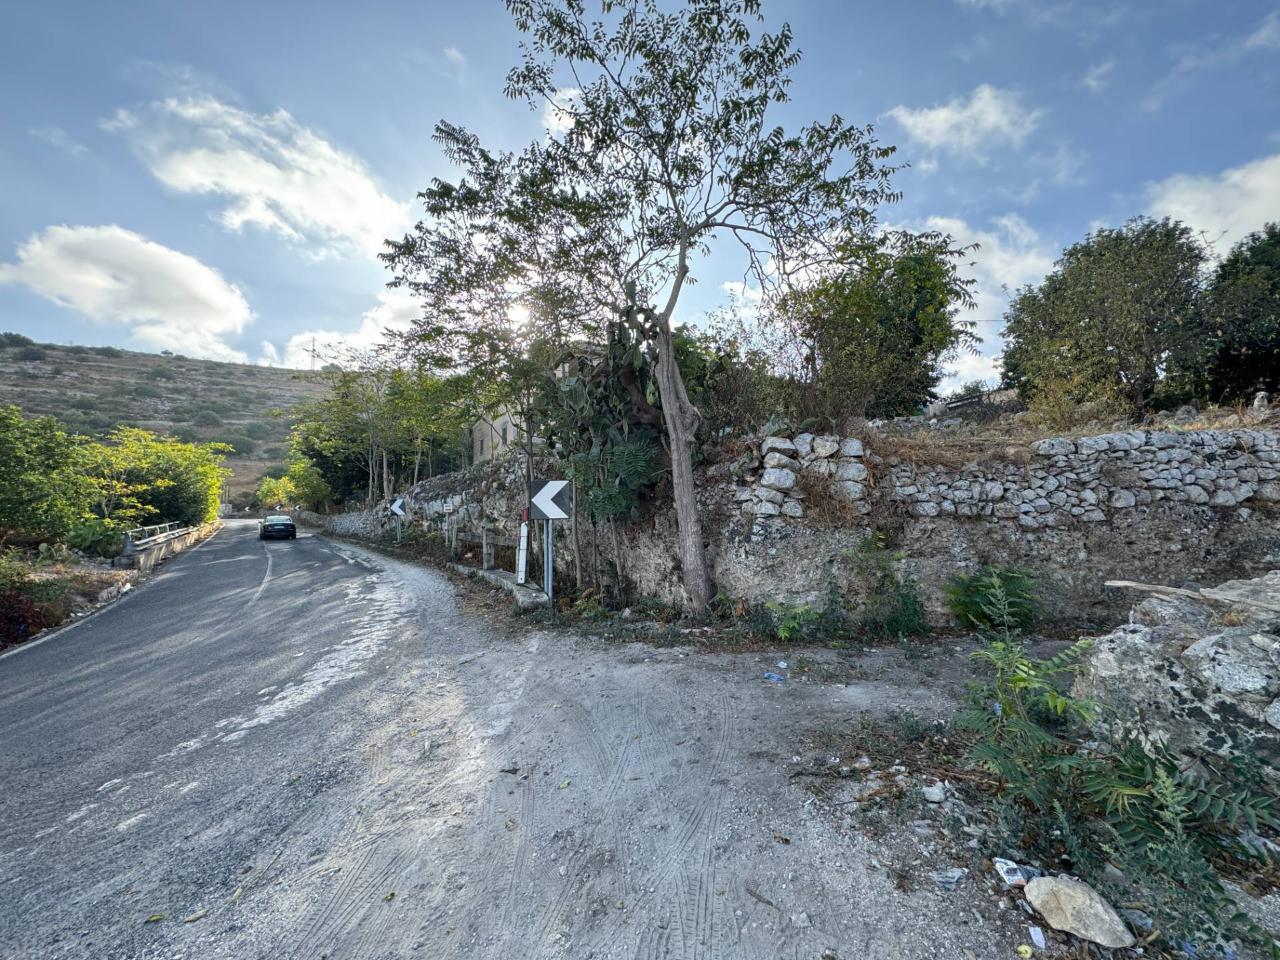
(265, 577)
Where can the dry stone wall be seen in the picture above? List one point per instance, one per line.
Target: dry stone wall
(1158, 505)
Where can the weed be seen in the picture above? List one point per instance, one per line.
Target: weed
(995, 597)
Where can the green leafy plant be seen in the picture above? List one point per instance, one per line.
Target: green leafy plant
(995, 597)
(893, 609)
(1128, 802)
(792, 622)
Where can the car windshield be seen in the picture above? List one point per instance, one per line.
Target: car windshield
(279, 520)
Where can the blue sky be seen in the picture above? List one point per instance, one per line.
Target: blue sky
(216, 180)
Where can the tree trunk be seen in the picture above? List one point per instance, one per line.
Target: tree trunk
(681, 421)
(417, 461)
(577, 543)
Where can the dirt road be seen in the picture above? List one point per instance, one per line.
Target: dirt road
(353, 767)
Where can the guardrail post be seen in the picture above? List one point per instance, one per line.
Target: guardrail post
(486, 549)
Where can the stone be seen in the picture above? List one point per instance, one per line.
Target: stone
(935, 792)
(780, 444)
(851, 447)
(767, 509)
(849, 489)
(1073, 906)
(1122, 499)
(1272, 714)
(824, 447)
(1238, 661)
(772, 496)
(1053, 447)
(927, 508)
(1196, 494)
(850, 470)
(792, 508)
(778, 478)
(1269, 492)
(804, 444)
(776, 459)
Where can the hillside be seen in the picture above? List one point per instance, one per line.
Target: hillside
(94, 389)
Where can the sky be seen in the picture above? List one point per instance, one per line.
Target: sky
(217, 180)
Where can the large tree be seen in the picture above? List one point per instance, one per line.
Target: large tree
(1235, 347)
(874, 337)
(1109, 315)
(659, 141)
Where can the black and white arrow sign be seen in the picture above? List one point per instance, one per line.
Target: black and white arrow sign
(398, 507)
(549, 499)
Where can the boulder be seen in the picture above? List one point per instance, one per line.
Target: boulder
(1075, 907)
(778, 478)
(1123, 499)
(851, 447)
(804, 444)
(1239, 662)
(792, 508)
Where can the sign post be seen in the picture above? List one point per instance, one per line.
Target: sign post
(522, 554)
(397, 508)
(549, 501)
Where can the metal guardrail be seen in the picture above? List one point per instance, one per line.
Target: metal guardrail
(150, 534)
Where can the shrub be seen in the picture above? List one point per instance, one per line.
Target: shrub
(893, 609)
(9, 339)
(27, 605)
(30, 354)
(147, 391)
(207, 418)
(162, 372)
(108, 351)
(995, 597)
(241, 446)
(259, 431)
(96, 536)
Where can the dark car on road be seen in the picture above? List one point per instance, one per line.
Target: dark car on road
(278, 527)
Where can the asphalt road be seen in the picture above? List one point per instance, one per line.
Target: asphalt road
(150, 754)
(303, 750)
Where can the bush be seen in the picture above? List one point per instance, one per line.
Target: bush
(30, 354)
(995, 597)
(162, 372)
(893, 609)
(259, 431)
(96, 536)
(147, 391)
(9, 339)
(27, 605)
(241, 446)
(108, 351)
(207, 418)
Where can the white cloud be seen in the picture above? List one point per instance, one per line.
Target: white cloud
(59, 138)
(1267, 36)
(1011, 255)
(1216, 52)
(1224, 206)
(276, 174)
(997, 5)
(1098, 77)
(555, 117)
(987, 119)
(458, 60)
(166, 299)
(395, 311)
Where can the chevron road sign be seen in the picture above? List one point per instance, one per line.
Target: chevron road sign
(549, 499)
(398, 507)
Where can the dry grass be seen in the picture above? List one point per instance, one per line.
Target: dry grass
(930, 449)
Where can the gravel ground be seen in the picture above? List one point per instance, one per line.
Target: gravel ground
(305, 750)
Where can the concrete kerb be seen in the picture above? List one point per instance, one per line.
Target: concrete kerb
(525, 597)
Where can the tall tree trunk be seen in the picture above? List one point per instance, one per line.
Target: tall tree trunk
(386, 476)
(417, 460)
(577, 543)
(682, 424)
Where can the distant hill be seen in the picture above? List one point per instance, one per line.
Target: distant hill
(94, 389)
